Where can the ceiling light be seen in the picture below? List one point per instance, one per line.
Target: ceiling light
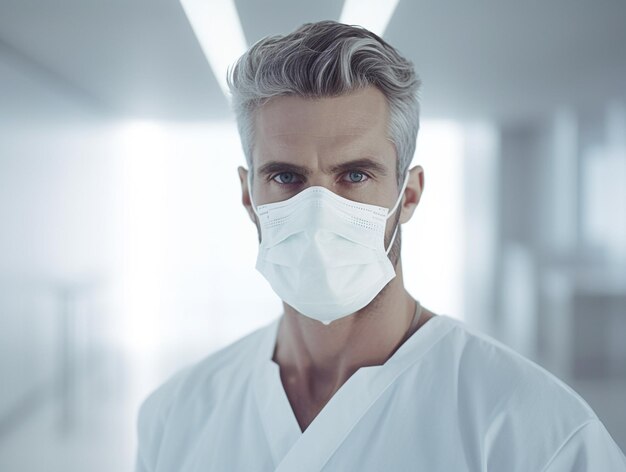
(219, 32)
(373, 15)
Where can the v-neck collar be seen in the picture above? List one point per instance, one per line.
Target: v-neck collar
(293, 449)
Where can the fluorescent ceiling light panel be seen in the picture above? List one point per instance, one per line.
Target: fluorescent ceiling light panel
(371, 14)
(218, 29)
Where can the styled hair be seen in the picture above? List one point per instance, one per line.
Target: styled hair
(327, 59)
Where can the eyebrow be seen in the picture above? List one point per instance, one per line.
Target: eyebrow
(364, 163)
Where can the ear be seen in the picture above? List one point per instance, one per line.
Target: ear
(412, 193)
(245, 192)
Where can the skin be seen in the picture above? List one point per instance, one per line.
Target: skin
(308, 139)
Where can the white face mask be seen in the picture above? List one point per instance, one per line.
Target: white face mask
(324, 254)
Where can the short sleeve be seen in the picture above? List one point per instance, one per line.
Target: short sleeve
(589, 448)
(151, 422)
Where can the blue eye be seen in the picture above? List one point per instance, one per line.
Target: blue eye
(356, 176)
(285, 178)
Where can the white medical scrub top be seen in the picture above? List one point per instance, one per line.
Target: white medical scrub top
(449, 399)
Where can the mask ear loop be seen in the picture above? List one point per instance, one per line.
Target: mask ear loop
(393, 210)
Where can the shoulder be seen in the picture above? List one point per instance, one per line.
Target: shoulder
(199, 380)
(517, 378)
(238, 355)
(510, 401)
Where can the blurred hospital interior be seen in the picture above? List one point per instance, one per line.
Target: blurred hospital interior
(125, 252)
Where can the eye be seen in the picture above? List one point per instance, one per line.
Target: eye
(356, 177)
(285, 178)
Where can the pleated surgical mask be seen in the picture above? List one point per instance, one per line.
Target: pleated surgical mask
(323, 254)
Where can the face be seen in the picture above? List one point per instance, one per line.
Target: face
(339, 143)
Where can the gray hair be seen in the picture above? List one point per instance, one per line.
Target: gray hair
(327, 59)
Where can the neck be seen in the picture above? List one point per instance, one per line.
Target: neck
(308, 349)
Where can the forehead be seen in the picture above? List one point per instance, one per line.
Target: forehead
(358, 119)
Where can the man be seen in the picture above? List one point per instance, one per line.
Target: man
(355, 375)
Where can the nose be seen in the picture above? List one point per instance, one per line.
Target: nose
(319, 180)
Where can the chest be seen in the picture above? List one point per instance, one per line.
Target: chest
(361, 427)
(307, 398)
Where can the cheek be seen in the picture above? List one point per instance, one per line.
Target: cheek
(392, 224)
